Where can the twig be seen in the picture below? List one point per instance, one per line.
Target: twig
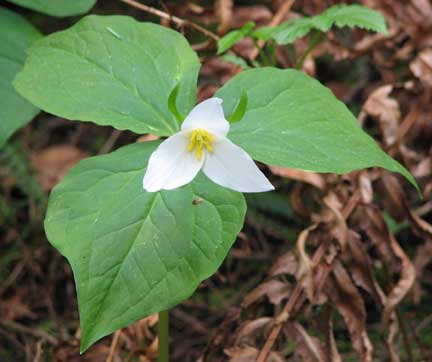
(113, 346)
(276, 20)
(26, 330)
(175, 19)
(110, 142)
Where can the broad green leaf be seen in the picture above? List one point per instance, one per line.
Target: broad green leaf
(58, 8)
(233, 37)
(16, 35)
(112, 70)
(338, 15)
(135, 253)
(292, 120)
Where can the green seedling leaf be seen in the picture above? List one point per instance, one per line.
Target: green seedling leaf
(112, 70)
(293, 121)
(59, 8)
(240, 109)
(135, 253)
(236, 60)
(234, 37)
(172, 104)
(337, 15)
(16, 35)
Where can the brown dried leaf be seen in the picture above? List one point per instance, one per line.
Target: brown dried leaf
(339, 229)
(325, 323)
(349, 303)
(285, 264)
(248, 354)
(309, 348)
(361, 268)
(311, 178)
(422, 67)
(423, 257)
(305, 271)
(54, 162)
(365, 187)
(275, 290)
(375, 226)
(251, 329)
(386, 110)
(393, 196)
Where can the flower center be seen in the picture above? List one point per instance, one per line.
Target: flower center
(198, 140)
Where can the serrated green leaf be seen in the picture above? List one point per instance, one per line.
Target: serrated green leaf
(292, 120)
(16, 35)
(112, 70)
(59, 8)
(234, 37)
(338, 15)
(135, 253)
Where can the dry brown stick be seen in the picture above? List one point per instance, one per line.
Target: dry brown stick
(175, 19)
(276, 20)
(113, 346)
(27, 330)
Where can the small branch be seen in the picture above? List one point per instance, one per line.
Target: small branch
(176, 20)
(27, 330)
(113, 346)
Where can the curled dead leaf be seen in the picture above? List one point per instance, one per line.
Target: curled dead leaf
(422, 67)
(275, 290)
(386, 110)
(309, 348)
(349, 303)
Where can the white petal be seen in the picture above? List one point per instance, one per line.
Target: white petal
(171, 165)
(208, 115)
(230, 166)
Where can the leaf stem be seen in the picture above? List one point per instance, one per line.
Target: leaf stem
(317, 38)
(163, 336)
(262, 54)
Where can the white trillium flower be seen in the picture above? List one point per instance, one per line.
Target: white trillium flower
(201, 144)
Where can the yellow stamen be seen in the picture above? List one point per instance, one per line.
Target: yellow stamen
(198, 140)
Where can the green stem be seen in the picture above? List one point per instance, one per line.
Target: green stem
(163, 336)
(263, 55)
(317, 38)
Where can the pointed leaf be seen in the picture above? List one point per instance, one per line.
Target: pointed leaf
(293, 121)
(16, 35)
(112, 70)
(135, 253)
